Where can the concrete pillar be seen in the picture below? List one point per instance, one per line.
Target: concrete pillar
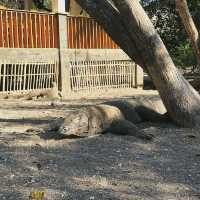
(27, 4)
(139, 77)
(58, 6)
(65, 85)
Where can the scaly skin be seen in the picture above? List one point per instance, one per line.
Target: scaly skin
(99, 119)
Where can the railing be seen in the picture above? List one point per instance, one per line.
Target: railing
(23, 77)
(22, 29)
(88, 75)
(85, 33)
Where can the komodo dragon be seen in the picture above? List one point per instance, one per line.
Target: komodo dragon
(117, 117)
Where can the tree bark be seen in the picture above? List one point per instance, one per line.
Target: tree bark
(127, 19)
(183, 10)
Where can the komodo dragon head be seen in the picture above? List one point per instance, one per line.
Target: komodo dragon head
(76, 123)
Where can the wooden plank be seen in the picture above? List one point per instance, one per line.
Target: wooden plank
(78, 33)
(29, 32)
(51, 36)
(69, 32)
(97, 36)
(83, 33)
(75, 33)
(39, 32)
(85, 44)
(10, 30)
(20, 30)
(33, 32)
(7, 27)
(15, 32)
(25, 33)
(42, 21)
(92, 34)
(36, 30)
(5, 31)
(56, 34)
(47, 36)
(1, 29)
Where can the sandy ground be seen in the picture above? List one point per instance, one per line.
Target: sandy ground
(106, 167)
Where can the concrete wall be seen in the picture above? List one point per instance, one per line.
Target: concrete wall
(95, 54)
(31, 54)
(28, 55)
(64, 56)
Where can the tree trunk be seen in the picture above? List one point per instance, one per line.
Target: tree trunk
(127, 22)
(109, 17)
(183, 10)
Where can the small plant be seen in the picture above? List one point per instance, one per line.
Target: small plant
(36, 195)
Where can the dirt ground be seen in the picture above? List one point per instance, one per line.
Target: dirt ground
(106, 167)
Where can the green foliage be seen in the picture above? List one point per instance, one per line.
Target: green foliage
(42, 5)
(18, 4)
(194, 6)
(184, 56)
(13, 4)
(170, 28)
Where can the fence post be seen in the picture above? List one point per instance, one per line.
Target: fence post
(139, 77)
(64, 75)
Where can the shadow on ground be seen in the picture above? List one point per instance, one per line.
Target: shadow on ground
(104, 167)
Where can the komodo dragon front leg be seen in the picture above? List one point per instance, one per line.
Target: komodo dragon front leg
(98, 119)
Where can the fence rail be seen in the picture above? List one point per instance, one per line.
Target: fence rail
(88, 75)
(22, 77)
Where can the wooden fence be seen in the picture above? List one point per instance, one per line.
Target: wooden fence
(86, 33)
(22, 29)
(25, 29)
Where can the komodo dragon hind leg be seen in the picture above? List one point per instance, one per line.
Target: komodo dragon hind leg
(125, 127)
